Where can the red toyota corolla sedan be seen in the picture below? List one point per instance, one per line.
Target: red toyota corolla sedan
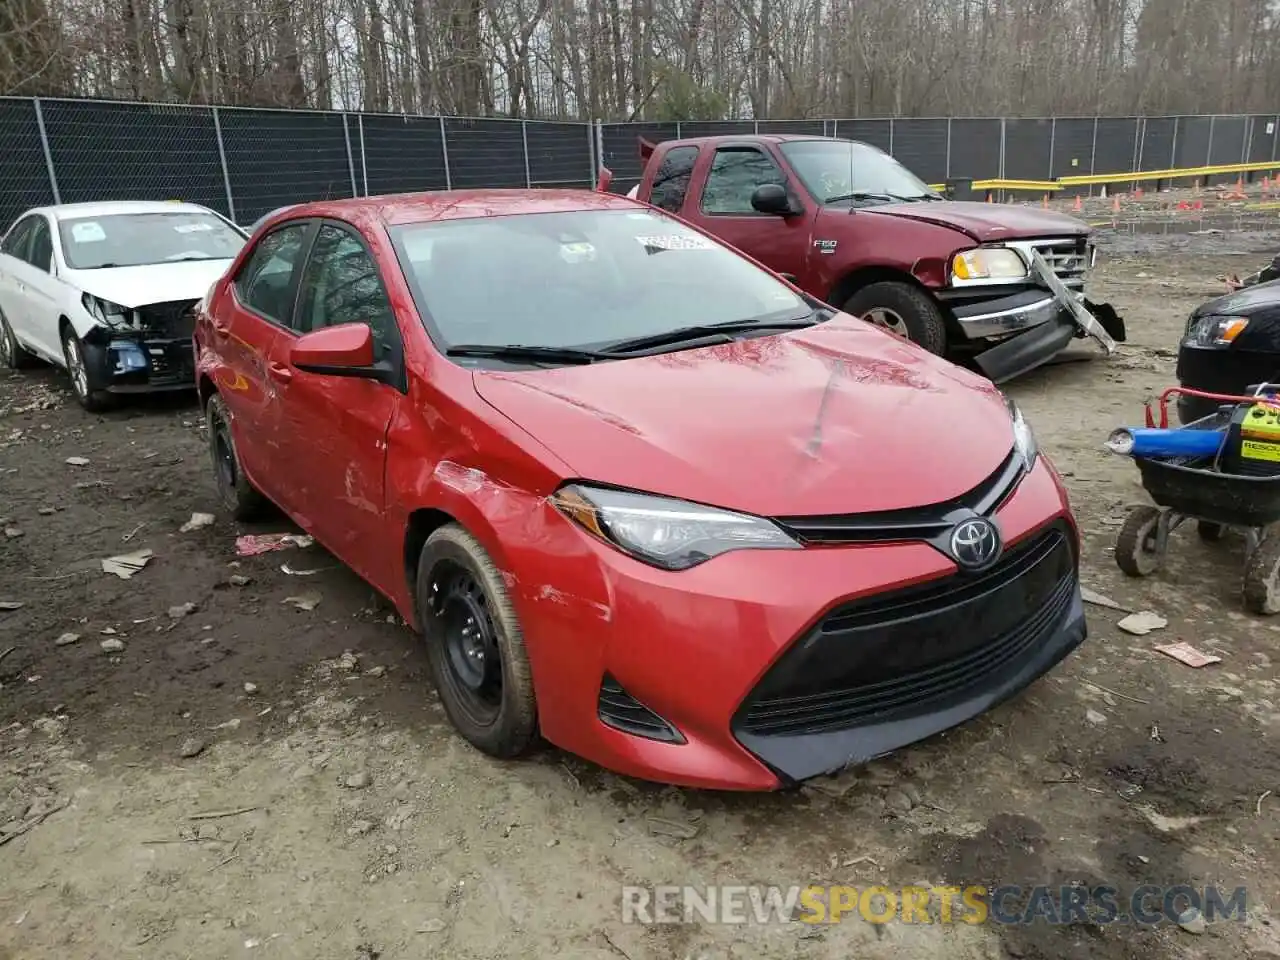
(641, 496)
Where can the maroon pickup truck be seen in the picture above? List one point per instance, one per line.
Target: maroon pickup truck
(851, 226)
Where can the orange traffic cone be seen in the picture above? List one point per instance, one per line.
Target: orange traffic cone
(1044, 201)
(1079, 204)
(1137, 192)
(1115, 204)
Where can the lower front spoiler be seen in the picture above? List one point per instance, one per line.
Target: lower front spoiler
(132, 365)
(801, 757)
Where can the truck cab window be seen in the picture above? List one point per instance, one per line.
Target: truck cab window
(671, 182)
(735, 175)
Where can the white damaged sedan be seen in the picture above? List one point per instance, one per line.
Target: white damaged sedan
(108, 291)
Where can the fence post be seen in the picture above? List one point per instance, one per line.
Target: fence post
(524, 139)
(364, 166)
(677, 129)
(1093, 154)
(1139, 141)
(1173, 150)
(891, 136)
(1208, 157)
(1248, 140)
(1275, 131)
(600, 142)
(948, 174)
(444, 150)
(48, 155)
(1053, 136)
(222, 159)
(757, 126)
(591, 153)
(1002, 132)
(351, 165)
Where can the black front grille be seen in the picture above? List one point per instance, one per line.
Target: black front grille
(911, 652)
(175, 320)
(620, 710)
(911, 523)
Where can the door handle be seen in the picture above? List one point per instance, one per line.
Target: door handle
(279, 372)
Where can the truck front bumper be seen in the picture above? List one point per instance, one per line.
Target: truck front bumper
(1029, 327)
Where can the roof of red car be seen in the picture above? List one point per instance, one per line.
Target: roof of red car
(460, 204)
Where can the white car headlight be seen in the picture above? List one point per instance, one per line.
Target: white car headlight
(663, 532)
(1213, 331)
(1024, 440)
(987, 263)
(104, 311)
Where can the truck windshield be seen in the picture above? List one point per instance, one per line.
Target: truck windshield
(836, 170)
(580, 279)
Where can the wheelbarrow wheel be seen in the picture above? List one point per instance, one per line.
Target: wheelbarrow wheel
(1262, 578)
(1136, 552)
(1210, 532)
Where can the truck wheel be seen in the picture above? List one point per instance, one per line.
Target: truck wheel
(902, 309)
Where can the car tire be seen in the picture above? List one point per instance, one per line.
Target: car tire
(475, 645)
(901, 309)
(13, 355)
(240, 497)
(95, 401)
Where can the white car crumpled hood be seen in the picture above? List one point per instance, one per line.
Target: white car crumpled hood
(154, 283)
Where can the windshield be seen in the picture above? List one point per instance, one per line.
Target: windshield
(845, 170)
(135, 239)
(580, 279)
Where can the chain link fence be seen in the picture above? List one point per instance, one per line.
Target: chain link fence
(245, 162)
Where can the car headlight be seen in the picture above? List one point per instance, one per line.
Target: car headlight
(987, 263)
(664, 532)
(1215, 331)
(1024, 440)
(104, 311)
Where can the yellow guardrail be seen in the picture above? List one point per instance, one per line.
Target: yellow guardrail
(1096, 179)
(1176, 173)
(1039, 186)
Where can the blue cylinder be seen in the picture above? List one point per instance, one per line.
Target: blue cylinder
(1165, 442)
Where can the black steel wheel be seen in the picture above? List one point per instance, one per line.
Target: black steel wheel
(1136, 551)
(240, 497)
(475, 645)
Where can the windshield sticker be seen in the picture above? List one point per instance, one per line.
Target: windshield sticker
(89, 232)
(577, 252)
(675, 242)
(193, 227)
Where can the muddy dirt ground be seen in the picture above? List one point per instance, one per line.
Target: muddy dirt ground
(371, 830)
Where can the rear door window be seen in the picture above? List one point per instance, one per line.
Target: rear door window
(265, 282)
(41, 252)
(671, 182)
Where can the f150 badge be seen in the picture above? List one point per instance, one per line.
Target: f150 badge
(826, 247)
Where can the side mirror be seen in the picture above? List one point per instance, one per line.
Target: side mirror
(342, 351)
(772, 198)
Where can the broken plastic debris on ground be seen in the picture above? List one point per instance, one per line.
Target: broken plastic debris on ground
(1184, 652)
(252, 544)
(126, 565)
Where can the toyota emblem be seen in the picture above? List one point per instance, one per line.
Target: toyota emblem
(975, 543)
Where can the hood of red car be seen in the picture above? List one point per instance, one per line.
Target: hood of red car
(986, 222)
(838, 418)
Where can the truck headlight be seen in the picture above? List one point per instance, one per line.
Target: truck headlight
(663, 532)
(1215, 331)
(1024, 440)
(987, 263)
(104, 311)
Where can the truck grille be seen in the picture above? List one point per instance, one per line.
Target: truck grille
(1068, 257)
